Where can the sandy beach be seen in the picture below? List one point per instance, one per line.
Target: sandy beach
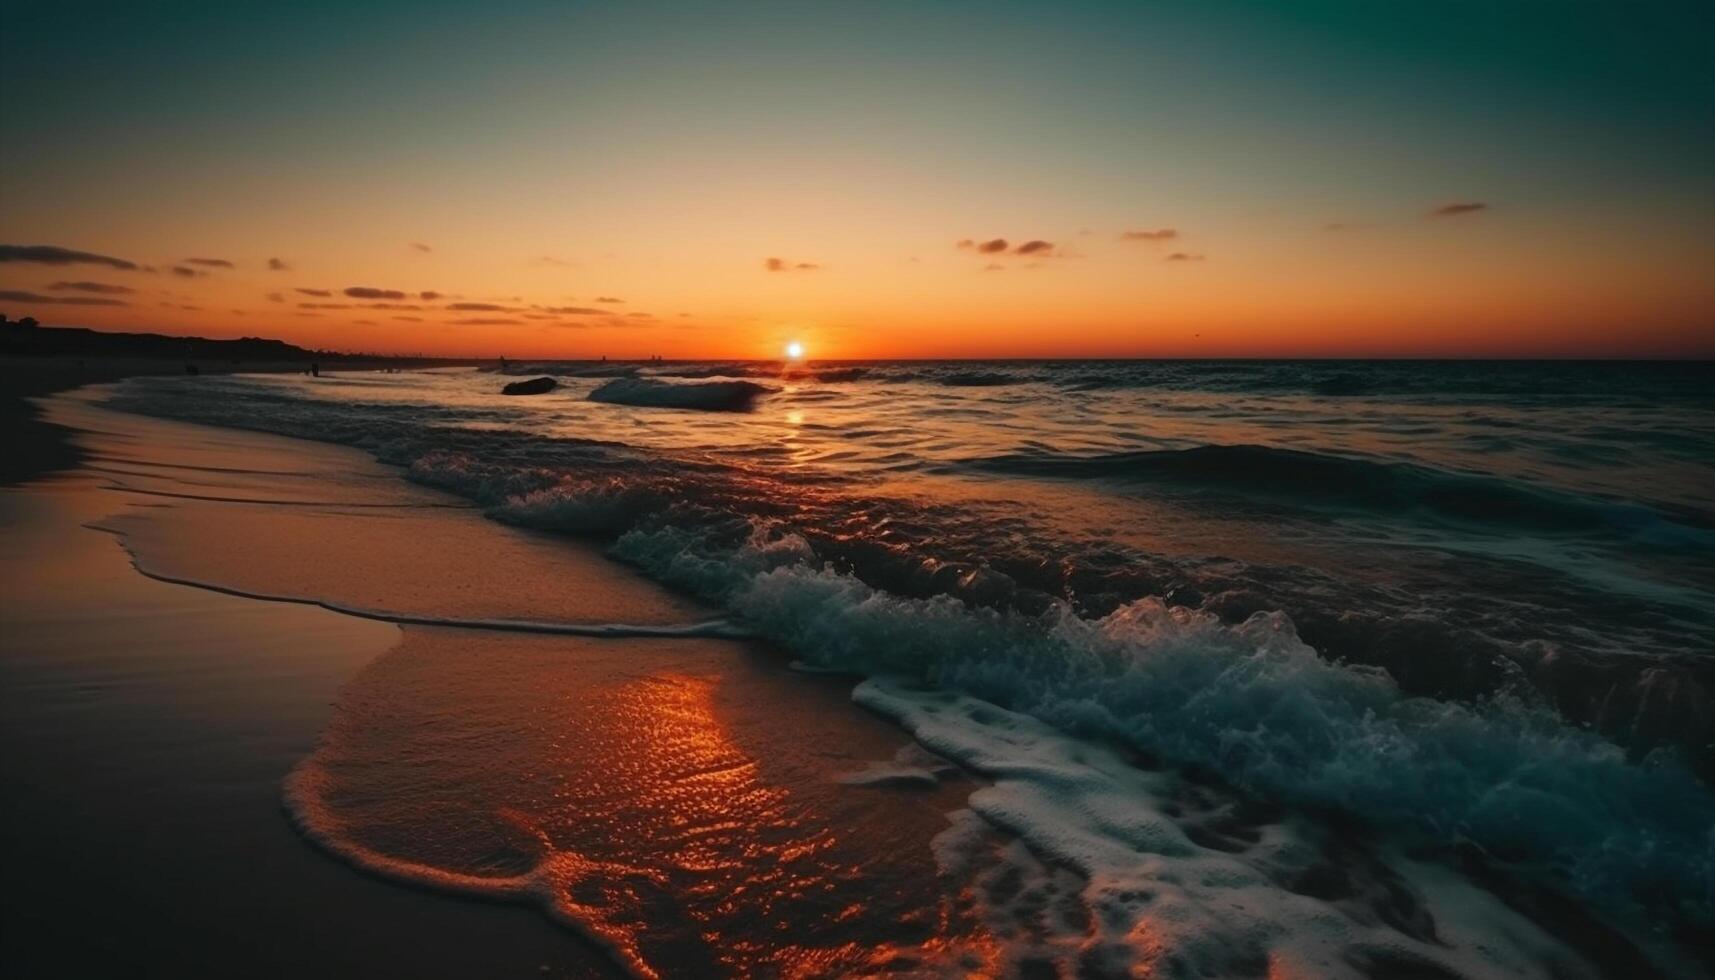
(151, 727)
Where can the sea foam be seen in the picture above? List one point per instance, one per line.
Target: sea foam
(1257, 706)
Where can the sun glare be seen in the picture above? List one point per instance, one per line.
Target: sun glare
(794, 351)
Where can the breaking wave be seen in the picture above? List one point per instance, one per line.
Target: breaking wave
(1255, 704)
(711, 396)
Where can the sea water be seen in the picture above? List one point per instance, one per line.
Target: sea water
(1468, 607)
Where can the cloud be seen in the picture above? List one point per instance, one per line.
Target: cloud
(608, 299)
(1457, 208)
(571, 310)
(19, 296)
(410, 319)
(486, 322)
(782, 265)
(419, 246)
(84, 286)
(324, 293)
(1035, 246)
(994, 267)
(54, 255)
(276, 297)
(185, 271)
(428, 295)
(211, 263)
(370, 292)
(1184, 257)
(278, 265)
(1150, 235)
(324, 306)
(480, 307)
(992, 246)
(391, 306)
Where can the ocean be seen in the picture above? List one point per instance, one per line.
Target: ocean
(1469, 606)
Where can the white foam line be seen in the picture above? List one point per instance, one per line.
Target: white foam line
(720, 629)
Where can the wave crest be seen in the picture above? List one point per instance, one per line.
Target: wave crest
(1255, 704)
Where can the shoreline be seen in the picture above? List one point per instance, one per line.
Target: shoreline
(147, 728)
(312, 874)
(36, 446)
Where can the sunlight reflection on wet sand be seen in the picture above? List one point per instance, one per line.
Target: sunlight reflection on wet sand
(677, 800)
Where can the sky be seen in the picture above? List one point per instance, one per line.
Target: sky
(873, 179)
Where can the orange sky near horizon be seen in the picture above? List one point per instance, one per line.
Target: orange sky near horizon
(1421, 287)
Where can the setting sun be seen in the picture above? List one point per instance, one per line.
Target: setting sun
(794, 351)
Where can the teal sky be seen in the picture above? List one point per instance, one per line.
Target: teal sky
(843, 131)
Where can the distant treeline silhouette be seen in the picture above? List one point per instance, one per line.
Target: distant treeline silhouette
(25, 338)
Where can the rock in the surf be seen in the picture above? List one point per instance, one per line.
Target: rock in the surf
(535, 386)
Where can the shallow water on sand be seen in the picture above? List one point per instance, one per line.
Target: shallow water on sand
(145, 729)
(1140, 689)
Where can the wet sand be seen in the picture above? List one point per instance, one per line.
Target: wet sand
(688, 804)
(35, 446)
(146, 729)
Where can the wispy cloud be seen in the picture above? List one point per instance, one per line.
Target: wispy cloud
(420, 247)
(480, 307)
(608, 299)
(1035, 246)
(773, 264)
(84, 286)
(185, 271)
(571, 310)
(1457, 208)
(54, 255)
(1150, 235)
(1185, 257)
(428, 294)
(211, 263)
(498, 321)
(19, 296)
(989, 247)
(370, 292)
(278, 265)
(314, 292)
